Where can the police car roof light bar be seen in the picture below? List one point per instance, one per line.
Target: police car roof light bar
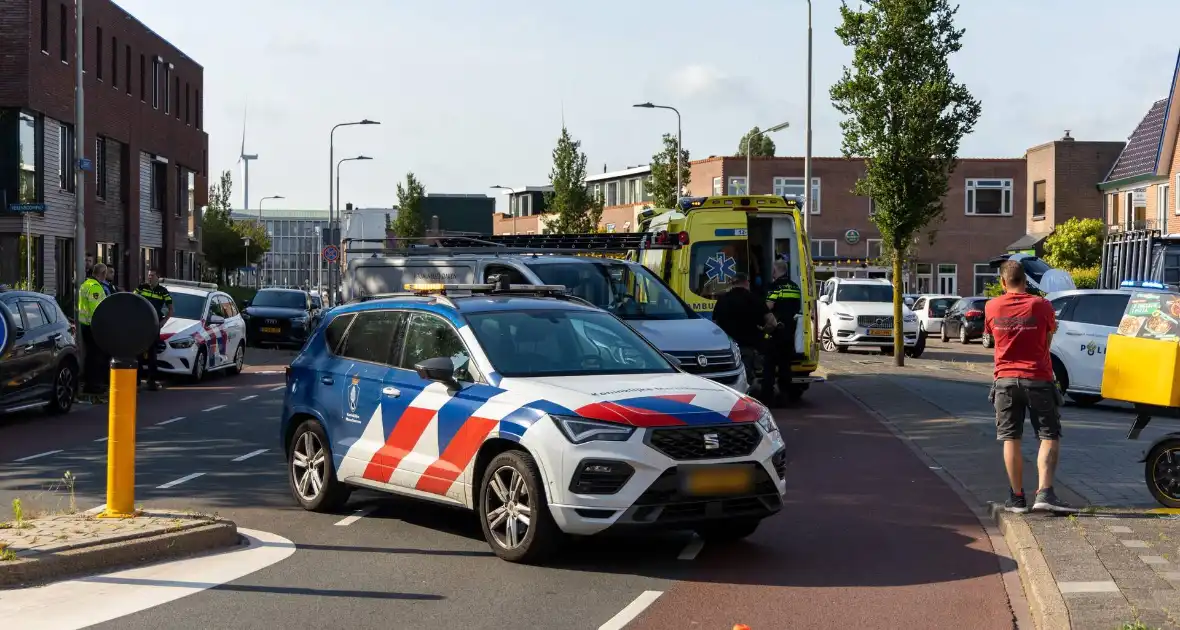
(189, 283)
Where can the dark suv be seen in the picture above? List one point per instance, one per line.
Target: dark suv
(40, 367)
(280, 316)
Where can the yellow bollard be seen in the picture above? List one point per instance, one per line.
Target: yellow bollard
(121, 444)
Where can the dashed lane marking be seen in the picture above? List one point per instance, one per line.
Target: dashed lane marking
(279, 388)
(354, 517)
(177, 482)
(214, 408)
(39, 455)
(102, 439)
(250, 397)
(170, 421)
(250, 454)
(628, 614)
(691, 550)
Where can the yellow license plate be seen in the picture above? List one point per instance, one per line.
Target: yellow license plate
(718, 480)
(880, 333)
(272, 330)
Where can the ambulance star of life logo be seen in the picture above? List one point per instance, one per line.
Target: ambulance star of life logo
(354, 393)
(720, 268)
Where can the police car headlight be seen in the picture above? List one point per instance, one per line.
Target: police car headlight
(181, 344)
(766, 421)
(580, 430)
(845, 316)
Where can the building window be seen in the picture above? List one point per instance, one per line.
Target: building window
(718, 188)
(142, 80)
(114, 62)
(1039, 197)
(948, 279)
(989, 197)
(65, 34)
(156, 83)
(985, 274)
(63, 260)
(100, 167)
(127, 67)
(632, 191)
(181, 193)
(793, 187)
(873, 249)
(612, 193)
(1161, 206)
(28, 159)
(597, 191)
(925, 276)
(823, 248)
(197, 98)
(45, 26)
(176, 97)
(98, 53)
(192, 203)
(737, 186)
(187, 105)
(65, 157)
(159, 185)
(872, 206)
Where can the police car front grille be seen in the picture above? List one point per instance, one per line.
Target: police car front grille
(689, 443)
(664, 503)
(715, 361)
(875, 321)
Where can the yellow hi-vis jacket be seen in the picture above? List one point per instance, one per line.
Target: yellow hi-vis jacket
(89, 295)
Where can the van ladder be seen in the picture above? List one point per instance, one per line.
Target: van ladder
(510, 244)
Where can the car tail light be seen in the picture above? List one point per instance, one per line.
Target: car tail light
(683, 237)
(973, 314)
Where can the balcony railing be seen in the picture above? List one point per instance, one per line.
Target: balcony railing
(1132, 226)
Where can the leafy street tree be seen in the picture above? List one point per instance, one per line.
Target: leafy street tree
(221, 236)
(762, 146)
(1076, 244)
(573, 208)
(905, 114)
(662, 182)
(409, 223)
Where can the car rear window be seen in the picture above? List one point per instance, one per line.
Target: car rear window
(939, 306)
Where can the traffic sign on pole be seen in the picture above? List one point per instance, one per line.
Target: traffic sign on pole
(330, 254)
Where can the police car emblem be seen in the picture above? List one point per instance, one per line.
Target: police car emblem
(702, 360)
(712, 441)
(354, 394)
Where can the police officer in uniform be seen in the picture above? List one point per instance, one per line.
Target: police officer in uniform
(90, 294)
(161, 300)
(784, 299)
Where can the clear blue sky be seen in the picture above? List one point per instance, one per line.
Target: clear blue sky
(471, 93)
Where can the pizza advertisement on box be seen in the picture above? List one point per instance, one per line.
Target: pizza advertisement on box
(1152, 315)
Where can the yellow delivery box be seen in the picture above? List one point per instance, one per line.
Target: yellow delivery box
(1143, 356)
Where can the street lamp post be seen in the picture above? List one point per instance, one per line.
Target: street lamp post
(749, 139)
(263, 264)
(511, 210)
(351, 159)
(246, 247)
(331, 166)
(807, 189)
(679, 166)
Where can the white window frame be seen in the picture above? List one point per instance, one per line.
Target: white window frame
(818, 243)
(737, 186)
(990, 272)
(1176, 191)
(869, 248)
(156, 63)
(1161, 206)
(718, 187)
(939, 274)
(526, 203)
(872, 206)
(970, 197)
(781, 184)
(618, 194)
(928, 276)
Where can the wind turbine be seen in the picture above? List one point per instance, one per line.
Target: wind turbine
(244, 158)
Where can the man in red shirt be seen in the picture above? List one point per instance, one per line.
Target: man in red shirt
(1022, 326)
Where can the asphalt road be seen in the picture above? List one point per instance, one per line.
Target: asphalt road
(869, 537)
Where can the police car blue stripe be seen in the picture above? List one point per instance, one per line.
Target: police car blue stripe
(455, 413)
(685, 412)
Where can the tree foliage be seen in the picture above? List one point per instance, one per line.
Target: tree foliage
(573, 208)
(762, 145)
(662, 182)
(408, 223)
(221, 236)
(905, 114)
(1076, 244)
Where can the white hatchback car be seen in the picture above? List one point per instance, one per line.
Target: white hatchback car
(205, 334)
(1085, 318)
(930, 309)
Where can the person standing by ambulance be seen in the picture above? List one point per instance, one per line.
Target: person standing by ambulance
(784, 299)
(90, 295)
(161, 300)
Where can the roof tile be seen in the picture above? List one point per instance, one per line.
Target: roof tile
(1139, 156)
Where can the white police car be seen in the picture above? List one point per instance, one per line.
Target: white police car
(544, 414)
(205, 334)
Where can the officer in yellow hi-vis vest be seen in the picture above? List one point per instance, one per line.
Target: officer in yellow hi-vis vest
(784, 299)
(90, 294)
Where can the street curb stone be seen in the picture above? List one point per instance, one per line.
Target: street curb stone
(1044, 598)
(78, 561)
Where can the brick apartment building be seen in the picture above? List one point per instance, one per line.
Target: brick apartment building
(1062, 178)
(144, 139)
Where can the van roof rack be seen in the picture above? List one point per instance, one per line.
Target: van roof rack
(189, 283)
(616, 243)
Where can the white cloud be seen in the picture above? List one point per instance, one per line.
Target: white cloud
(698, 80)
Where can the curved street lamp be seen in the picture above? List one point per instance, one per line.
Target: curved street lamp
(749, 140)
(331, 196)
(679, 166)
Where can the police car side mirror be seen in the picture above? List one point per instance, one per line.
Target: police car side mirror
(216, 319)
(440, 369)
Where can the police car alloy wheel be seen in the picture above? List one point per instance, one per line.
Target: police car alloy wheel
(199, 365)
(313, 477)
(239, 359)
(513, 509)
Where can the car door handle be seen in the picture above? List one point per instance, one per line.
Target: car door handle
(327, 380)
(1073, 334)
(55, 337)
(392, 392)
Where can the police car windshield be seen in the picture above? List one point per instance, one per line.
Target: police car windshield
(280, 299)
(864, 293)
(187, 305)
(563, 343)
(628, 291)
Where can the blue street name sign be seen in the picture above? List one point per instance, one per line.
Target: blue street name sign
(26, 207)
(85, 164)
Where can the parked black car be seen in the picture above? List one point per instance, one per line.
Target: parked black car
(41, 366)
(964, 319)
(280, 316)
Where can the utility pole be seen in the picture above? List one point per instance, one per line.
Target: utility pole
(79, 152)
(807, 156)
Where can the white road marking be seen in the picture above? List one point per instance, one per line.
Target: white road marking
(691, 550)
(100, 598)
(250, 454)
(102, 439)
(356, 516)
(250, 397)
(170, 421)
(628, 614)
(214, 408)
(268, 372)
(177, 482)
(39, 455)
(279, 388)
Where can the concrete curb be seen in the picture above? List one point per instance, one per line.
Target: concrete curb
(1044, 599)
(39, 569)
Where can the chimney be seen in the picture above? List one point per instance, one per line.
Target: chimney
(1067, 138)
(604, 167)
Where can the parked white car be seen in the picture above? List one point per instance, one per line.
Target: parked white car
(930, 310)
(858, 312)
(1085, 318)
(205, 334)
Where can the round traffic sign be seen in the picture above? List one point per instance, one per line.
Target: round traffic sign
(330, 253)
(125, 325)
(4, 329)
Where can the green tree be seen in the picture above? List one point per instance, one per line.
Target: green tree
(573, 208)
(662, 182)
(408, 223)
(1076, 244)
(905, 114)
(221, 236)
(762, 146)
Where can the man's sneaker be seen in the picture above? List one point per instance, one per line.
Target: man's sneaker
(1016, 503)
(1047, 501)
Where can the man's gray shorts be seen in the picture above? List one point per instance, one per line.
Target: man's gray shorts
(1012, 396)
